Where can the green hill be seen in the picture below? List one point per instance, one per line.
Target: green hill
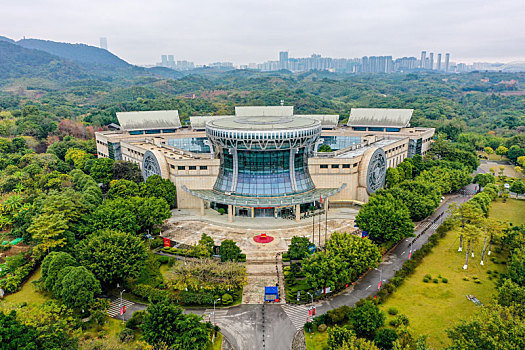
(19, 62)
(80, 53)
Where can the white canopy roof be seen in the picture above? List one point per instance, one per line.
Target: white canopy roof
(397, 118)
(147, 120)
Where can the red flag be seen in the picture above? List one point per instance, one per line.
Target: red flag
(379, 284)
(313, 311)
(309, 312)
(321, 199)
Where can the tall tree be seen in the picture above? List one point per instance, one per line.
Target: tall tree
(155, 186)
(385, 219)
(112, 256)
(79, 288)
(165, 325)
(492, 327)
(367, 319)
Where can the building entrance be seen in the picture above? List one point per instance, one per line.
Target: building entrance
(264, 212)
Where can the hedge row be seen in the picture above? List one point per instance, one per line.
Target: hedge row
(189, 254)
(154, 295)
(13, 281)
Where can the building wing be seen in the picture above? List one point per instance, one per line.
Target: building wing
(149, 120)
(380, 117)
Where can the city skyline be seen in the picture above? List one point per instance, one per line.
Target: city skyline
(365, 64)
(242, 32)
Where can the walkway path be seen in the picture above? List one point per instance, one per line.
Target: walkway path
(263, 269)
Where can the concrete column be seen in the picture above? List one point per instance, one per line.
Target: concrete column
(297, 212)
(230, 213)
(202, 207)
(326, 204)
(253, 212)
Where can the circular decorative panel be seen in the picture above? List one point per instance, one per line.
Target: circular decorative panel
(376, 173)
(150, 165)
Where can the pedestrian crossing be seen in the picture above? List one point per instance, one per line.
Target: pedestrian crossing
(219, 313)
(298, 314)
(114, 307)
(434, 226)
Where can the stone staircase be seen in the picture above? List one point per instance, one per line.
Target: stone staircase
(262, 269)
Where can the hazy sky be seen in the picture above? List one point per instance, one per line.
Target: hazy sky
(243, 31)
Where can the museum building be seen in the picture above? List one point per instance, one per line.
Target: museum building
(267, 161)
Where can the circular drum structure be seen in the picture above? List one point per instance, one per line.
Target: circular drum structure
(263, 156)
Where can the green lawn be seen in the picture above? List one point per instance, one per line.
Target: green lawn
(512, 211)
(27, 293)
(432, 308)
(316, 340)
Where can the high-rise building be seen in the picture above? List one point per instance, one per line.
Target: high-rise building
(171, 61)
(431, 61)
(438, 62)
(423, 59)
(164, 60)
(283, 60)
(104, 43)
(447, 61)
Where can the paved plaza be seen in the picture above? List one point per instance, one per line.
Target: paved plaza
(263, 261)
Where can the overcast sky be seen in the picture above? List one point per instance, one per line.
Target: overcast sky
(243, 31)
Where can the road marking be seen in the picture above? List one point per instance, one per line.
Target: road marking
(114, 307)
(403, 252)
(368, 287)
(297, 314)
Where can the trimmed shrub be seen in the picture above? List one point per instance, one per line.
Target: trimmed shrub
(226, 299)
(393, 311)
(444, 280)
(402, 319)
(435, 280)
(322, 328)
(163, 259)
(394, 323)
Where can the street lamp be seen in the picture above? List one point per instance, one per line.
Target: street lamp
(214, 323)
(312, 308)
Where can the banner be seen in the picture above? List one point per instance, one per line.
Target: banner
(167, 242)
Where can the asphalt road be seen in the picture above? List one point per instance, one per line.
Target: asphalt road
(273, 326)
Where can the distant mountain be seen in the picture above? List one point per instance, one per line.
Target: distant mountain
(19, 62)
(3, 38)
(75, 52)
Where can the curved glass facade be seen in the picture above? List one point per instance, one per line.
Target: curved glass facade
(264, 174)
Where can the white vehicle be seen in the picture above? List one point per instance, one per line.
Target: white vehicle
(507, 186)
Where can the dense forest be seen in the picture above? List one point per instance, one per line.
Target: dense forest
(91, 92)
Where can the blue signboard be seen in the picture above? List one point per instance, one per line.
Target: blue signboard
(311, 249)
